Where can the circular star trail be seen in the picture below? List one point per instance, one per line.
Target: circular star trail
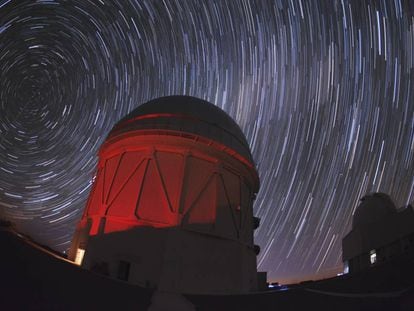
(323, 90)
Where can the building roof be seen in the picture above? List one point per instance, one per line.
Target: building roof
(373, 208)
(188, 115)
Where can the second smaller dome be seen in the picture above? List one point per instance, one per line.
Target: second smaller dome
(373, 207)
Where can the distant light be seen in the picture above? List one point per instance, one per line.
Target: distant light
(279, 287)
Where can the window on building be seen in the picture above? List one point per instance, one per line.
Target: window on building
(373, 256)
(123, 270)
(79, 256)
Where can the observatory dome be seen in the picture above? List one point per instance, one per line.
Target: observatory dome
(373, 207)
(186, 114)
(173, 161)
(175, 183)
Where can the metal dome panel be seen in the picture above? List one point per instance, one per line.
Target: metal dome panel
(186, 114)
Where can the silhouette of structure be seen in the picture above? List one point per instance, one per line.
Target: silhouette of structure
(50, 282)
(171, 204)
(380, 233)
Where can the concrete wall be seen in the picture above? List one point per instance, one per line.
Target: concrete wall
(175, 260)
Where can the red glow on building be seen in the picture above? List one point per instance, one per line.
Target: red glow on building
(165, 180)
(163, 176)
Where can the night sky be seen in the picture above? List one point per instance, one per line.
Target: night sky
(323, 90)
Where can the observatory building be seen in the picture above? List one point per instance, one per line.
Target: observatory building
(380, 233)
(171, 203)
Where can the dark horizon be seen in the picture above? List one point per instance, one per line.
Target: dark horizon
(33, 273)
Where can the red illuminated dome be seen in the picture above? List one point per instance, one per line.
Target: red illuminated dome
(164, 162)
(176, 163)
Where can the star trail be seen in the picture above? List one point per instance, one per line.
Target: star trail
(323, 90)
